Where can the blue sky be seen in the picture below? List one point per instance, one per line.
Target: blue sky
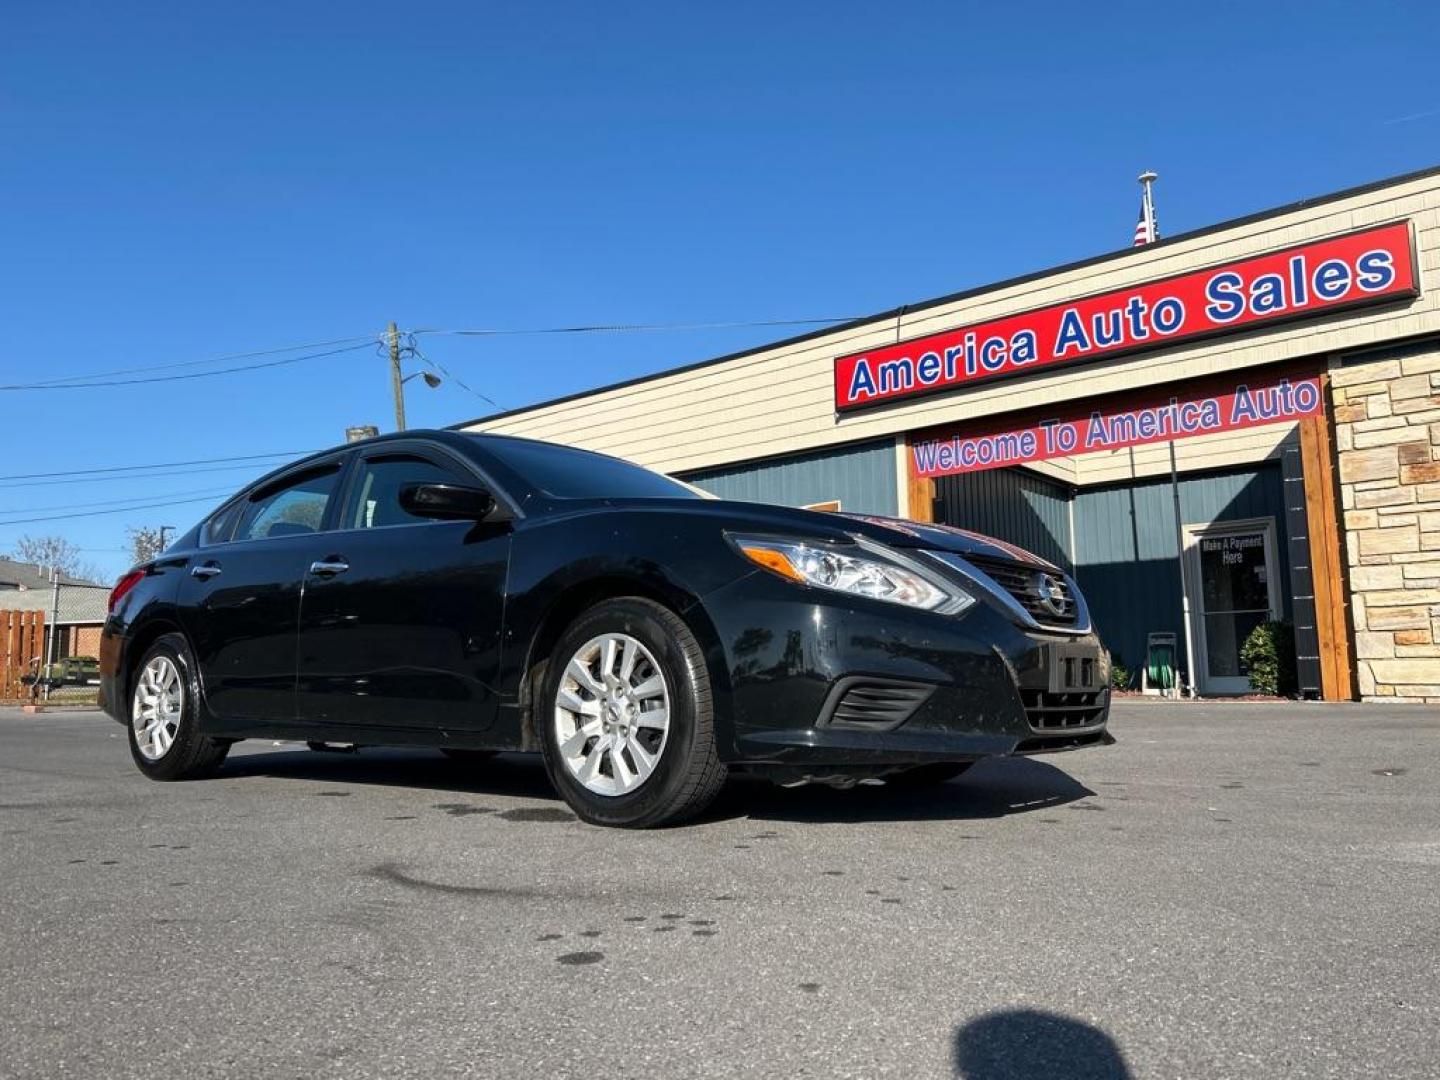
(239, 177)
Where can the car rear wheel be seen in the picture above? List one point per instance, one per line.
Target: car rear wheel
(626, 720)
(165, 738)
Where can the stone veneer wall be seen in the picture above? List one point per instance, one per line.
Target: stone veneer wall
(1387, 435)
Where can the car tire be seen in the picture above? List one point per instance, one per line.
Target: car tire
(164, 729)
(629, 771)
(927, 776)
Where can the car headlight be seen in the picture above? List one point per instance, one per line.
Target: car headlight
(879, 575)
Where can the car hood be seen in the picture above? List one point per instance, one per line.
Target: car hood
(944, 538)
(824, 525)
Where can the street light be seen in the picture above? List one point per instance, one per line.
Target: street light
(431, 381)
(397, 382)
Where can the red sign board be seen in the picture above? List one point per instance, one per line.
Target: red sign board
(1366, 267)
(1147, 419)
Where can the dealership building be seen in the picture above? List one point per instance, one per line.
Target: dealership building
(1240, 422)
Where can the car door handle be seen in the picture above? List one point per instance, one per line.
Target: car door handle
(205, 571)
(328, 568)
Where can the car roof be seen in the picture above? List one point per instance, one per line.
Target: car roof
(460, 441)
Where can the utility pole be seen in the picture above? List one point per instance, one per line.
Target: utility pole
(395, 381)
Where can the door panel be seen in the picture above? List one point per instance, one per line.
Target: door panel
(239, 601)
(407, 635)
(242, 621)
(1235, 568)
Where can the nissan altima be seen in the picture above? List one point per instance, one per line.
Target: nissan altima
(481, 593)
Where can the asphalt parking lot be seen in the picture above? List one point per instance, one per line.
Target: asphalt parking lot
(1232, 890)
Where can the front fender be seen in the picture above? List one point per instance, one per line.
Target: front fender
(557, 571)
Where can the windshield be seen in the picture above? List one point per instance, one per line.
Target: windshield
(563, 472)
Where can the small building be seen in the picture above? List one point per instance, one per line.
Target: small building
(1251, 410)
(81, 611)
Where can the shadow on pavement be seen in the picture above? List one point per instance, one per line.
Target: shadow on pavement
(518, 775)
(991, 789)
(1028, 1044)
(994, 788)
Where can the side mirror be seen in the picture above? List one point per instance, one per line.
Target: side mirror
(452, 502)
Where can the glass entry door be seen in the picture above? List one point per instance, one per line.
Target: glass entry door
(1234, 587)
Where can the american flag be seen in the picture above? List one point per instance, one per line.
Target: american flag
(1143, 234)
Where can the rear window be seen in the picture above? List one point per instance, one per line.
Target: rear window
(222, 526)
(563, 472)
(292, 509)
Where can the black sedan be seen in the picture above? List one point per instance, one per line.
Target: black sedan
(479, 593)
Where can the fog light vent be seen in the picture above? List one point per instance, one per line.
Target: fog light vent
(872, 704)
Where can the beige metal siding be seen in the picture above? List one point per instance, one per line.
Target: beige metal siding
(779, 401)
(1222, 450)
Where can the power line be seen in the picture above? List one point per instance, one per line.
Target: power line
(351, 344)
(155, 465)
(211, 492)
(65, 482)
(196, 363)
(630, 328)
(618, 328)
(117, 510)
(453, 377)
(192, 375)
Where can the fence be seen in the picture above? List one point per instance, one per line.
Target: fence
(22, 645)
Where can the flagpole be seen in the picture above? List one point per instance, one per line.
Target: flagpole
(1148, 202)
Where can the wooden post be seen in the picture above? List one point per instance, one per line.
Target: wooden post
(922, 496)
(1322, 518)
(22, 638)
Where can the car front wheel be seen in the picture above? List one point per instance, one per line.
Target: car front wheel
(165, 737)
(626, 720)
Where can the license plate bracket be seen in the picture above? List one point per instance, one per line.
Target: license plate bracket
(1074, 669)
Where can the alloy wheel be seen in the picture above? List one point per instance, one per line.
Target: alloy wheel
(612, 714)
(155, 713)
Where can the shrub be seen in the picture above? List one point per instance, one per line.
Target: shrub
(1268, 658)
(1119, 674)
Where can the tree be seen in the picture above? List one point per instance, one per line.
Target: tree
(54, 552)
(145, 543)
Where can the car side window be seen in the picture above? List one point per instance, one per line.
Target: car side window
(222, 526)
(375, 501)
(290, 510)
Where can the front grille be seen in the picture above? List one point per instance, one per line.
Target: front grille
(1023, 582)
(874, 704)
(1065, 711)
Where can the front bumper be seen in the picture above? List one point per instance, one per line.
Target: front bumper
(821, 679)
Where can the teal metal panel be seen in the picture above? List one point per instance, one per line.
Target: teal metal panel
(1014, 505)
(861, 477)
(1125, 547)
